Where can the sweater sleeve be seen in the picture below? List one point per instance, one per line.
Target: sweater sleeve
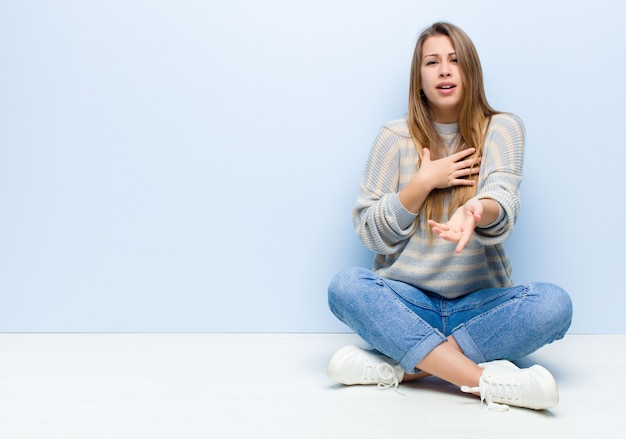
(382, 223)
(501, 175)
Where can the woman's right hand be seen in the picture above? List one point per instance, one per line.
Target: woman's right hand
(448, 171)
(438, 174)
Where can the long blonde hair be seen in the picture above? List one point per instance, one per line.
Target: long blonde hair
(474, 115)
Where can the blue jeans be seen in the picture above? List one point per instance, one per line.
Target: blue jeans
(406, 323)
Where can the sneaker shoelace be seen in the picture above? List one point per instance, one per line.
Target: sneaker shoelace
(486, 394)
(386, 378)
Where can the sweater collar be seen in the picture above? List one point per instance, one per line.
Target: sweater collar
(447, 128)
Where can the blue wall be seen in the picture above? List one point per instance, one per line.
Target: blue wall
(192, 165)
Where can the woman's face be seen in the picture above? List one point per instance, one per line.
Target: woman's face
(441, 78)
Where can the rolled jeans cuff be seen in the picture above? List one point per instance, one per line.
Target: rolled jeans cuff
(417, 353)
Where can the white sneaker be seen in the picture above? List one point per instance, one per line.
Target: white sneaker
(503, 363)
(353, 365)
(503, 384)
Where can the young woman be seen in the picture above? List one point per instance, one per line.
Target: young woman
(439, 195)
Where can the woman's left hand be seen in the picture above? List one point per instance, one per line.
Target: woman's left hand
(461, 225)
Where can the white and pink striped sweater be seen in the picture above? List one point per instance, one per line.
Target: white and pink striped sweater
(401, 240)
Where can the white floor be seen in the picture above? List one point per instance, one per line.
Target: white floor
(274, 386)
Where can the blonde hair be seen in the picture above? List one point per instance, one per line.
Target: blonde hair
(474, 115)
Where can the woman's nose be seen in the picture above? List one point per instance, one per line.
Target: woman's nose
(444, 70)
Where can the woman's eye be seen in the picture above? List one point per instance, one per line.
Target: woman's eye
(454, 60)
(430, 63)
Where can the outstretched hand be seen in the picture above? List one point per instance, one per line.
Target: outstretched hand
(461, 225)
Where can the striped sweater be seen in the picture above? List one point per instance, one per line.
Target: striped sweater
(401, 240)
